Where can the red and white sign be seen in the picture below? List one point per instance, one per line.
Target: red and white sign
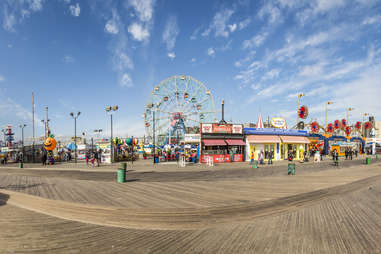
(220, 158)
(206, 128)
(237, 129)
(222, 128)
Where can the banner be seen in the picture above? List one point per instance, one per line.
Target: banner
(222, 128)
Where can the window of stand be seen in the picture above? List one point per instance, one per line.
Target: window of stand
(211, 150)
(236, 149)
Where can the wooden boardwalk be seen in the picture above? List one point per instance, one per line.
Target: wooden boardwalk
(331, 211)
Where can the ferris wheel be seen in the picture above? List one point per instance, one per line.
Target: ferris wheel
(177, 106)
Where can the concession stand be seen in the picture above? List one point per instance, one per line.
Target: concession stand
(279, 142)
(222, 142)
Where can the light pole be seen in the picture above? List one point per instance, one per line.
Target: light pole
(348, 109)
(300, 95)
(326, 112)
(22, 126)
(92, 140)
(75, 133)
(110, 110)
(364, 115)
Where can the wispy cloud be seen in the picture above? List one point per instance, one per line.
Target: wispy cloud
(244, 23)
(68, 59)
(219, 24)
(144, 9)
(16, 11)
(75, 10)
(372, 20)
(139, 32)
(271, 12)
(2, 78)
(211, 52)
(255, 41)
(170, 34)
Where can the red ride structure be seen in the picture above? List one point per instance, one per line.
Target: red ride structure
(337, 124)
(367, 125)
(343, 123)
(315, 127)
(330, 128)
(358, 125)
(347, 130)
(303, 112)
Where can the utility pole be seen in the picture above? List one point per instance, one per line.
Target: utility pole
(75, 133)
(47, 123)
(153, 127)
(110, 110)
(348, 109)
(300, 95)
(33, 156)
(326, 113)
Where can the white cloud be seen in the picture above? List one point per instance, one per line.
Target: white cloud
(211, 52)
(171, 31)
(244, 23)
(111, 27)
(143, 9)
(219, 24)
(68, 59)
(10, 46)
(122, 61)
(311, 70)
(195, 33)
(270, 11)
(255, 41)
(326, 5)
(232, 28)
(372, 20)
(193, 60)
(138, 32)
(14, 12)
(171, 55)
(125, 81)
(75, 10)
(2, 78)
(271, 74)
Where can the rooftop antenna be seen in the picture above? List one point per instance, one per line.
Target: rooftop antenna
(223, 112)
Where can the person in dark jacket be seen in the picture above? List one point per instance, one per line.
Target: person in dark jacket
(44, 157)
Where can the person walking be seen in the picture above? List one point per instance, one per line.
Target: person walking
(99, 157)
(87, 158)
(252, 158)
(44, 157)
(350, 154)
(346, 154)
(270, 158)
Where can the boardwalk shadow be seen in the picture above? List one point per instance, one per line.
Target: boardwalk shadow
(20, 186)
(3, 199)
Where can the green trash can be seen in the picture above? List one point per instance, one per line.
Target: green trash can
(255, 164)
(121, 175)
(367, 160)
(21, 165)
(291, 169)
(124, 165)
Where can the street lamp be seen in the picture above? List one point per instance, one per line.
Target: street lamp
(326, 112)
(110, 110)
(348, 109)
(300, 95)
(75, 133)
(92, 140)
(22, 126)
(364, 115)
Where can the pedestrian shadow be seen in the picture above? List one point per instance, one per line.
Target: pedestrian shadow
(132, 180)
(3, 199)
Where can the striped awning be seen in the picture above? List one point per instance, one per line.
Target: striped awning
(214, 142)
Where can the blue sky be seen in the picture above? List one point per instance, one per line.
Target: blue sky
(257, 55)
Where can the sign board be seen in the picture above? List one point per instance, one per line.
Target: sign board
(237, 128)
(192, 138)
(206, 128)
(278, 122)
(274, 131)
(222, 128)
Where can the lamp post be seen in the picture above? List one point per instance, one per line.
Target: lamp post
(364, 115)
(22, 126)
(110, 110)
(348, 109)
(75, 133)
(326, 112)
(92, 140)
(300, 95)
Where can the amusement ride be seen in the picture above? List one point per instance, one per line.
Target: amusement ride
(176, 107)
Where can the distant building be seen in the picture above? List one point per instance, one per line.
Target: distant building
(377, 126)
